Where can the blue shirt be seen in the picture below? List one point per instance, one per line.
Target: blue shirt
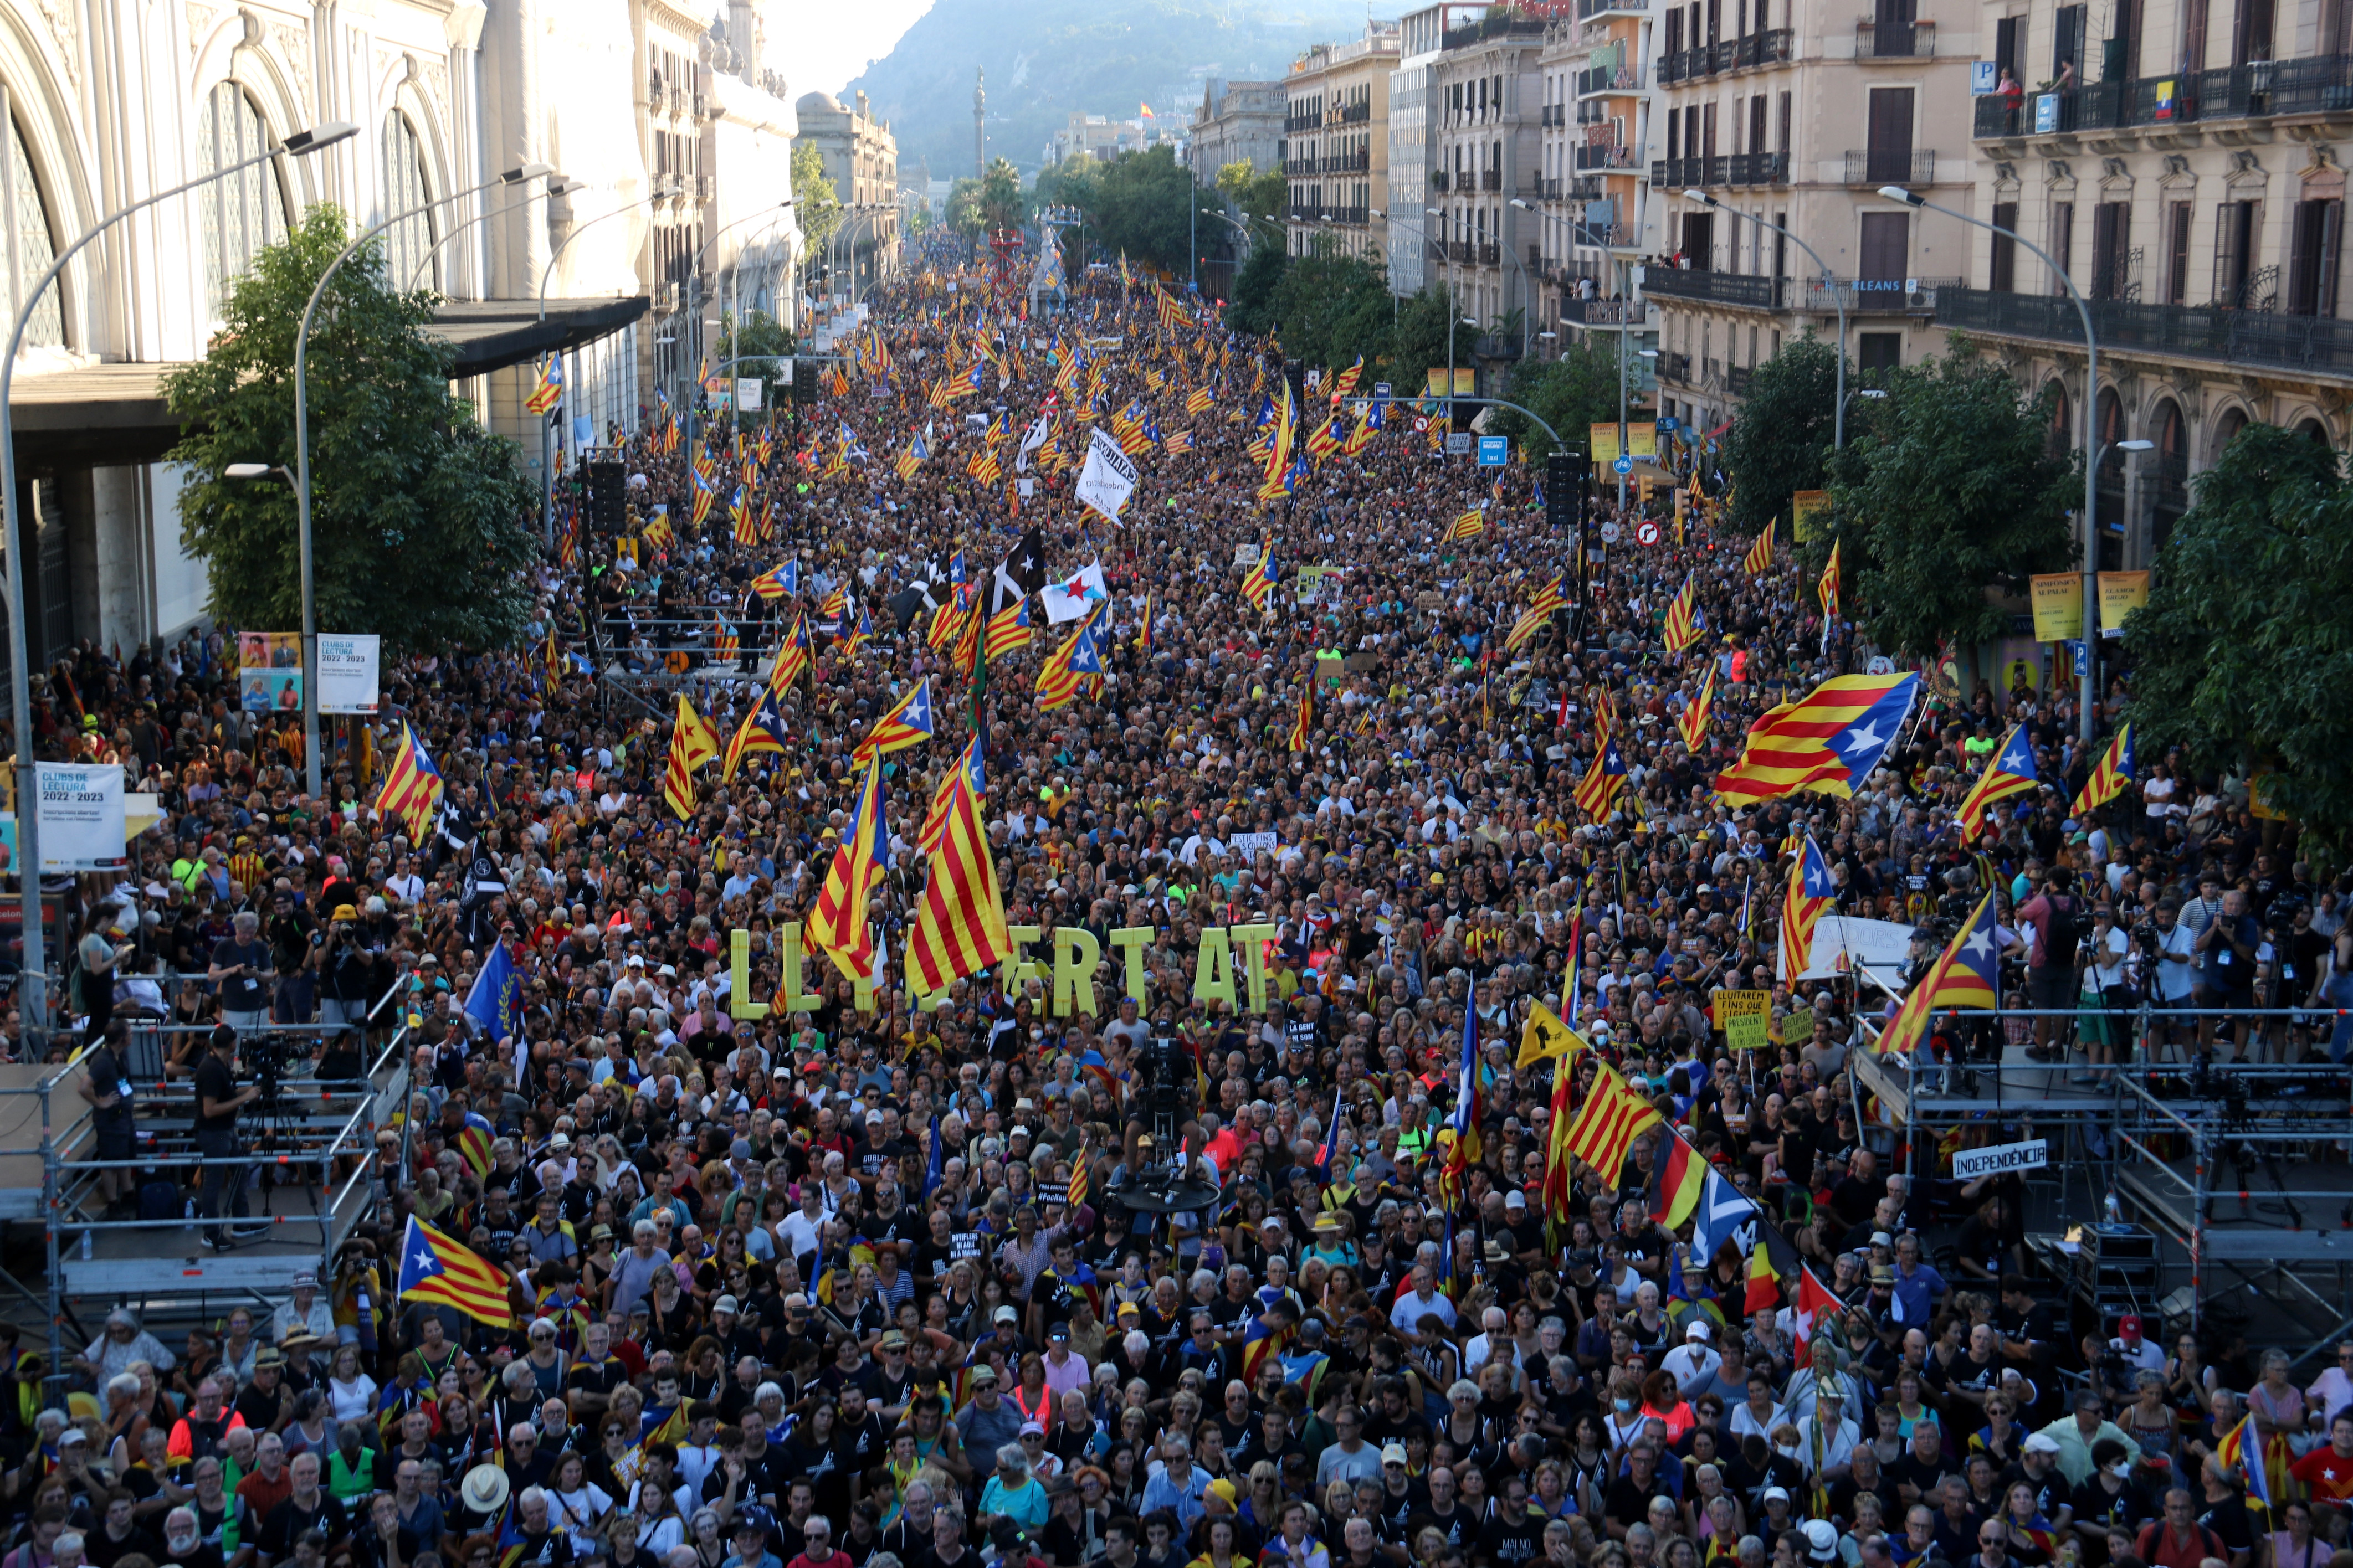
(1162, 1491)
(1916, 1293)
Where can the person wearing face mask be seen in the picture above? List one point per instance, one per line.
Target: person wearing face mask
(2110, 1500)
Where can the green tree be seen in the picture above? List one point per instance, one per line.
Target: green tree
(764, 336)
(815, 203)
(419, 529)
(1576, 390)
(1329, 308)
(1262, 198)
(1002, 204)
(964, 215)
(1255, 286)
(1141, 209)
(1946, 488)
(2243, 655)
(1781, 441)
(1417, 338)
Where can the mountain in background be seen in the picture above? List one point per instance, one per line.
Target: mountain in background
(1048, 59)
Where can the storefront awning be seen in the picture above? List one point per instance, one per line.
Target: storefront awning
(491, 335)
(107, 414)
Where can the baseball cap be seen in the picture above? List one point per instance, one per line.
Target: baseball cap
(2040, 1443)
(1393, 1454)
(1029, 1426)
(1006, 1315)
(1696, 1330)
(1223, 1490)
(2129, 1325)
(1772, 1492)
(983, 1376)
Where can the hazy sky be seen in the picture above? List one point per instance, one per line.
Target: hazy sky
(832, 42)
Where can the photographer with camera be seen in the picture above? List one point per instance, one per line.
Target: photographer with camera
(218, 1101)
(2060, 927)
(2167, 961)
(240, 968)
(2107, 992)
(2227, 979)
(294, 948)
(347, 969)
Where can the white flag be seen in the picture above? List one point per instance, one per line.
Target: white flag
(1031, 439)
(1108, 478)
(1074, 596)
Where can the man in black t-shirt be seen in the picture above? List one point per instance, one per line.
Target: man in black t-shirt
(218, 1100)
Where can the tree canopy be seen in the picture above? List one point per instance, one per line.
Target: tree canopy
(815, 203)
(2243, 655)
(1781, 441)
(1946, 488)
(419, 529)
(1570, 392)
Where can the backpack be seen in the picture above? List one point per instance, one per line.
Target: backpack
(160, 1198)
(2068, 928)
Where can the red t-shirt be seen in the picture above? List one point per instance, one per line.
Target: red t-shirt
(2329, 1473)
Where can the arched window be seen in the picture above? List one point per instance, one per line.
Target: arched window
(2169, 490)
(2227, 428)
(2111, 423)
(35, 248)
(246, 211)
(407, 244)
(2060, 438)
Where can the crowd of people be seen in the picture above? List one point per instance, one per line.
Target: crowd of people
(851, 1286)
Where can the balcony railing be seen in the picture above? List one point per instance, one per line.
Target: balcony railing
(1490, 179)
(1733, 169)
(1356, 163)
(1438, 179)
(1611, 313)
(1767, 47)
(2319, 85)
(1353, 114)
(2257, 339)
(1735, 379)
(1555, 116)
(1302, 166)
(1588, 9)
(1624, 79)
(1300, 124)
(1675, 367)
(1622, 159)
(1488, 255)
(1891, 166)
(1873, 296)
(1354, 217)
(1501, 25)
(1751, 293)
(1895, 40)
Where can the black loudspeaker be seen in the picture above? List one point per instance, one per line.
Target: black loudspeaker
(608, 488)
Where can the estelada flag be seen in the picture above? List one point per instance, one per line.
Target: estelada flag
(439, 1268)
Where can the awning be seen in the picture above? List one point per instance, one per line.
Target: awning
(100, 414)
(491, 335)
(107, 414)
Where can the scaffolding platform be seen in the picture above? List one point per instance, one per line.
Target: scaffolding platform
(2246, 1217)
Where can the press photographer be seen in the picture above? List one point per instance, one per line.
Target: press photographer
(218, 1101)
(347, 969)
(2227, 949)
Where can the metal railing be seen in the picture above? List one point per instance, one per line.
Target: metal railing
(1873, 296)
(1754, 293)
(1619, 158)
(2253, 337)
(1353, 114)
(1769, 47)
(1502, 25)
(2317, 85)
(1438, 178)
(1724, 169)
(319, 1124)
(1895, 40)
(1891, 166)
(1674, 366)
(1490, 179)
(1588, 9)
(1608, 79)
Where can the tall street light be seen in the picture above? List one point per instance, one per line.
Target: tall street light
(1838, 299)
(303, 450)
(28, 857)
(2089, 686)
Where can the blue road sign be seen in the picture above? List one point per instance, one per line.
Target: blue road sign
(1624, 464)
(1495, 451)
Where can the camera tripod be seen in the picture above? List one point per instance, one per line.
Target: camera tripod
(2240, 1153)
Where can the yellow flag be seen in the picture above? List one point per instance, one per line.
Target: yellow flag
(698, 742)
(1545, 1036)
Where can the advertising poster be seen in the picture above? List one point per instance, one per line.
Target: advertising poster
(348, 666)
(2058, 600)
(82, 820)
(269, 672)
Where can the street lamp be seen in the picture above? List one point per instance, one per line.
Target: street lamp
(546, 458)
(28, 858)
(1838, 299)
(2089, 688)
(517, 176)
(555, 187)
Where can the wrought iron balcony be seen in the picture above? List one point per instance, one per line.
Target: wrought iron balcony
(1895, 40)
(1891, 166)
